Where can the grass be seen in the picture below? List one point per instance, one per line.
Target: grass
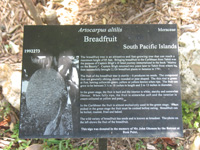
(48, 144)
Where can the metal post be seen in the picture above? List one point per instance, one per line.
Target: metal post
(103, 143)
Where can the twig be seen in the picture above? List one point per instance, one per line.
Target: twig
(15, 115)
(26, 10)
(128, 140)
(5, 16)
(149, 18)
(2, 61)
(137, 16)
(180, 138)
(90, 142)
(7, 138)
(33, 11)
(189, 130)
(156, 2)
(14, 29)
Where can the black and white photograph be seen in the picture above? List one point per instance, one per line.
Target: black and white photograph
(50, 87)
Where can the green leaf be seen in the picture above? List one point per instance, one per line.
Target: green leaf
(61, 147)
(94, 140)
(123, 1)
(91, 147)
(14, 136)
(143, 146)
(196, 124)
(169, 148)
(85, 148)
(53, 141)
(160, 146)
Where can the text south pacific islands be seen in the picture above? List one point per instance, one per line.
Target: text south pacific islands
(149, 46)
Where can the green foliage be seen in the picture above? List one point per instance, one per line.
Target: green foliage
(140, 145)
(7, 47)
(51, 144)
(22, 144)
(191, 117)
(180, 148)
(169, 148)
(48, 144)
(197, 120)
(188, 114)
(56, 144)
(160, 146)
(5, 108)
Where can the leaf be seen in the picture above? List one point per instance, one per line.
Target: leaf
(91, 147)
(104, 21)
(14, 136)
(5, 121)
(12, 125)
(165, 145)
(196, 124)
(123, 1)
(150, 147)
(196, 144)
(165, 142)
(52, 141)
(61, 145)
(157, 141)
(14, 47)
(4, 143)
(169, 148)
(169, 141)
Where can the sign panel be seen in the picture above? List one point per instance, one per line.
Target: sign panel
(100, 81)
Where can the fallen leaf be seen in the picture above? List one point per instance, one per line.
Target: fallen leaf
(165, 142)
(157, 141)
(4, 143)
(191, 139)
(150, 147)
(169, 141)
(196, 144)
(13, 117)
(5, 121)
(104, 21)
(165, 145)
(12, 125)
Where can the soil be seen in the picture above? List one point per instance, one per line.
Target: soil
(184, 13)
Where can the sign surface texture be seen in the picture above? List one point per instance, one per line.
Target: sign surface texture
(100, 81)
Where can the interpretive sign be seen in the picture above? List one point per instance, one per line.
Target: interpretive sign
(100, 81)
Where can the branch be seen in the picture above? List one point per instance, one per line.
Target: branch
(26, 10)
(137, 16)
(34, 13)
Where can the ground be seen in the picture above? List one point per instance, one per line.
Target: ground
(184, 13)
